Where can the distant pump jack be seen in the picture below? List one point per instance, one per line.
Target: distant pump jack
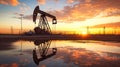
(43, 25)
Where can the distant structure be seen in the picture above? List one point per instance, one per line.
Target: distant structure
(104, 31)
(11, 30)
(87, 29)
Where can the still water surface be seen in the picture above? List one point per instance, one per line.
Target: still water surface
(59, 53)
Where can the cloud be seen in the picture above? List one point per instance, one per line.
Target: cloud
(112, 25)
(85, 58)
(70, 1)
(28, 17)
(42, 2)
(9, 2)
(112, 12)
(23, 8)
(56, 1)
(86, 9)
(9, 65)
(76, 13)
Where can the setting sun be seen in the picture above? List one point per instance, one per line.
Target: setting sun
(84, 33)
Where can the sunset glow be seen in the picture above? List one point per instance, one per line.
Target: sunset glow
(73, 15)
(84, 33)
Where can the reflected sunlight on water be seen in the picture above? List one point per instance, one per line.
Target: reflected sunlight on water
(64, 53)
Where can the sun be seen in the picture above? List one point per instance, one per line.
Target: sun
(84, 33)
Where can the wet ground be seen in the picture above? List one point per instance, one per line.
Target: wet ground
(59, 53)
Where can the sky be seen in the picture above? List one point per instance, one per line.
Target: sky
(72, 15)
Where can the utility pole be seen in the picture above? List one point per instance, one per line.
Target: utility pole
(21, 22)
(21, 33)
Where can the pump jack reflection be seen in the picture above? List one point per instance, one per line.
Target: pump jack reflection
(43, 47)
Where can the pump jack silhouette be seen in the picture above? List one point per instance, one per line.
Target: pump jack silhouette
(43, 46)
(43, 26)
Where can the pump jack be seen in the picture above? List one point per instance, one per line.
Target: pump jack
(43, 25)
(43, 52)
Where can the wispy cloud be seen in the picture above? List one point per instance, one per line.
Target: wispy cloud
(87, 58)
(9, 2)
(70, 1)
(23, 8)
(112, 25)
(42, 2)
(86, 9)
